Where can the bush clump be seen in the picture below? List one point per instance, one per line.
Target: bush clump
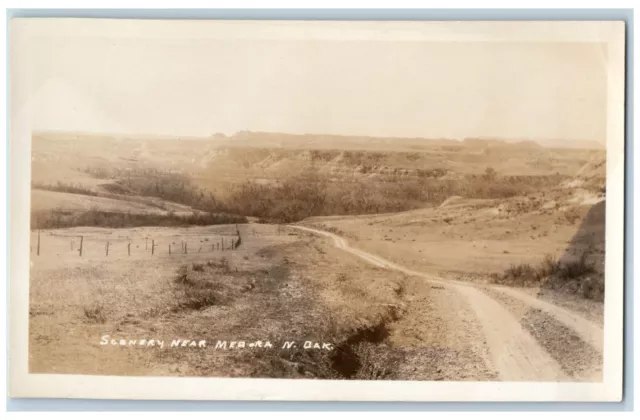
(579, 276)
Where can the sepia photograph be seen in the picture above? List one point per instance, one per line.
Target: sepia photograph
(394, 204)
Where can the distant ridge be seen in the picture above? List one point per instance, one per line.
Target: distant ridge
(525, 142)
(322, 141)
(573, 144)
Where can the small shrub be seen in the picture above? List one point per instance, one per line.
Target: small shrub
(398, 288)
(593, 288)
(376, 362)
(576, 276)
(572, 216)
(224, 264)
(295, 363)
(182, 277)
(200, 298)
(520, 274)
(549, 266)
(577, 268)
(197, 291)
(490, 174)
(95, 313)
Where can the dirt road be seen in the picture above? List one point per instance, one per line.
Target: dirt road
(523, 337)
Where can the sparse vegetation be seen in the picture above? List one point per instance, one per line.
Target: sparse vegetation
(527, 274)
(376, 362)
(56, 219)
(579, 274)
(222, 264)
(360, 361)
(198, 288)
(490, 174)
(312, 194)
(572, 216)
(98, 172)
(95, 313)
(63, 187)
(169, 186)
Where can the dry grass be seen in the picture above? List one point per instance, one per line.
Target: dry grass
(311, 193)
(64, 187)
(199, 288)
(95, 313)
(76, 300)
(314, 194)
(43, 200)
(572, 216)
(56, 219)
(580, 274)
(284, 291)
(376, 362)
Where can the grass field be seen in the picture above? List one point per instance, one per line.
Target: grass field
(275, 286)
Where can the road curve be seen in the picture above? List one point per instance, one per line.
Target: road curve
(515, 354)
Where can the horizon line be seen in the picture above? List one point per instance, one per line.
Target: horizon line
(236, 133)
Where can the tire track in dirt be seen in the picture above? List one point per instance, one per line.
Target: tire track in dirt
(577, 358)
(515, 353)
(587, 330)
(441, 340)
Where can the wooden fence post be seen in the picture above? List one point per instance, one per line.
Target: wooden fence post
(38, 249)
(81, 241)
(129, 248)
(153, 245)
(106, 249)
(186, 249)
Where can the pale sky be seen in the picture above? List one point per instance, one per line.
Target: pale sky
(199, 86)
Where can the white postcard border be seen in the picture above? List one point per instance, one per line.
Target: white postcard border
(23, 384)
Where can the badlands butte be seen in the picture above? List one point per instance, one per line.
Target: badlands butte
(417, 259)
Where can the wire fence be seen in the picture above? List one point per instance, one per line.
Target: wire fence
(148, 245)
